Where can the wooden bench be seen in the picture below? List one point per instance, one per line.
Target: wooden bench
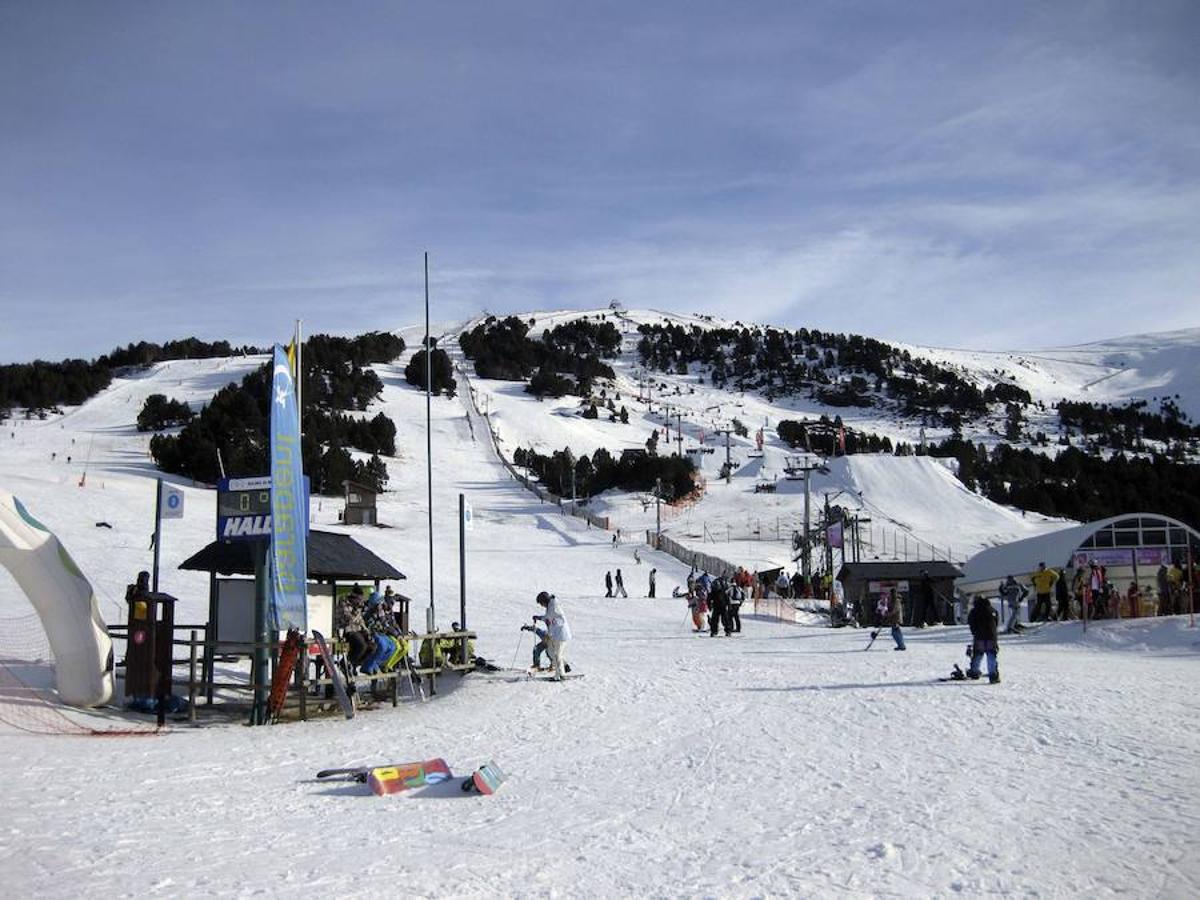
(431, 672)
(337, 647)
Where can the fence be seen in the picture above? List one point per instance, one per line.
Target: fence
(895, 544)
(567, 507)
(702, 562)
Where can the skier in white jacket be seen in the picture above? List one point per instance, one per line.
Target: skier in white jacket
(558, 632)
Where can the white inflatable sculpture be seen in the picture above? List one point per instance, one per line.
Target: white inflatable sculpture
(64, 601)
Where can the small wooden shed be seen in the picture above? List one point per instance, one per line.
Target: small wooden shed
(360, 504)
(863, 583)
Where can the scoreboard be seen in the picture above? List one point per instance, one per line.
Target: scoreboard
(244, 508)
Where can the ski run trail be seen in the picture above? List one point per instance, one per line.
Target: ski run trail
(784, 761)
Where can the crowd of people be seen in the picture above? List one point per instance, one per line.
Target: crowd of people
(1087, 591)
(716, 603)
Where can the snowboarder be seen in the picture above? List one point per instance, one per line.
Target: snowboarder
(608, 584)
(983, 621)
(653, 573)
(558, 632)
(892, 612)
(538, 630)
(1012, 594)
(353, 626)
(620, 592)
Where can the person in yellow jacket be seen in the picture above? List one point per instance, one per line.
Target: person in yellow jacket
(1043, 584)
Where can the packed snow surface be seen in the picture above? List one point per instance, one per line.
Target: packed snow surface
(783, 761)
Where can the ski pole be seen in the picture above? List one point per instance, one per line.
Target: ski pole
(520, 641)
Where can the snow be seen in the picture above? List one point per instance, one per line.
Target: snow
(784, 761)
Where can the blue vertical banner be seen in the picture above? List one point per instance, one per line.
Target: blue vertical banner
(289, 556)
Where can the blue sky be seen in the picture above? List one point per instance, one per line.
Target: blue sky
(965, 174)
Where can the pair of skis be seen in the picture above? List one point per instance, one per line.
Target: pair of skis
(393, 779)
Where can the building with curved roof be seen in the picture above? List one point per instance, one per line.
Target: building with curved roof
(1130, 546)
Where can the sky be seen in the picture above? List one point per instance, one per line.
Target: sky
(957, 174)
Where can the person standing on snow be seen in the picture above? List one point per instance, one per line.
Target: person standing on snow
(1043, 583)
(983, 621)
(1062, 597)
(718, 600)
(608, 584)
(620, 592)
(737, 596)
(893, 615)
(1012, 594)
(558, 632)
(653, 574)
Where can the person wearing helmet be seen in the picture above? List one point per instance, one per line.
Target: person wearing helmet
(558, 632)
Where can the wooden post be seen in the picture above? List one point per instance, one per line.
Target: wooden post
(304, 681)
(192, 678)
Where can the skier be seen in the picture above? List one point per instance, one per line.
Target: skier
(608, 584)
(892, 610)
(737, 596)
(1012, 594)
(653, 574)
(1043, 582)
(698, 604)
(983, 622)
(718, 600)
(620, 586)
(538, 630)
(558, 632)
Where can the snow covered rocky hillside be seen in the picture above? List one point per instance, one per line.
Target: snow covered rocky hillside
(784, 761)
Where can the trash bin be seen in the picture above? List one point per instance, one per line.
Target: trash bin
(148, 650)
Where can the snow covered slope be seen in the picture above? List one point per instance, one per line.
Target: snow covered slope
(785, 761)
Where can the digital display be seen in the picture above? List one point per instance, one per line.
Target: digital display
(243, 503)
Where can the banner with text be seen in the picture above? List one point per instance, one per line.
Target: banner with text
(289, 556)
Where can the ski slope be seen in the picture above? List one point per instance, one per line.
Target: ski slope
(784, 761)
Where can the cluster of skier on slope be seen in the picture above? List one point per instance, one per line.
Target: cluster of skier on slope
(719, 599)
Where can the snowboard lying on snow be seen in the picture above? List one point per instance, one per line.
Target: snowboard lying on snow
(394, 778)
(486, 779)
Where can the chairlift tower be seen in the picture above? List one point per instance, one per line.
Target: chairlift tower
(803, 468)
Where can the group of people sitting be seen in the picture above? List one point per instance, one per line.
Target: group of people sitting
(376, 641)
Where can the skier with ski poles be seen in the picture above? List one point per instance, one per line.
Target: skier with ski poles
(558, 632)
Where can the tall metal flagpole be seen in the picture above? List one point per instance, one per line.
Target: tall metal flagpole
(157, 533)
(299, 380)
(429, 440)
